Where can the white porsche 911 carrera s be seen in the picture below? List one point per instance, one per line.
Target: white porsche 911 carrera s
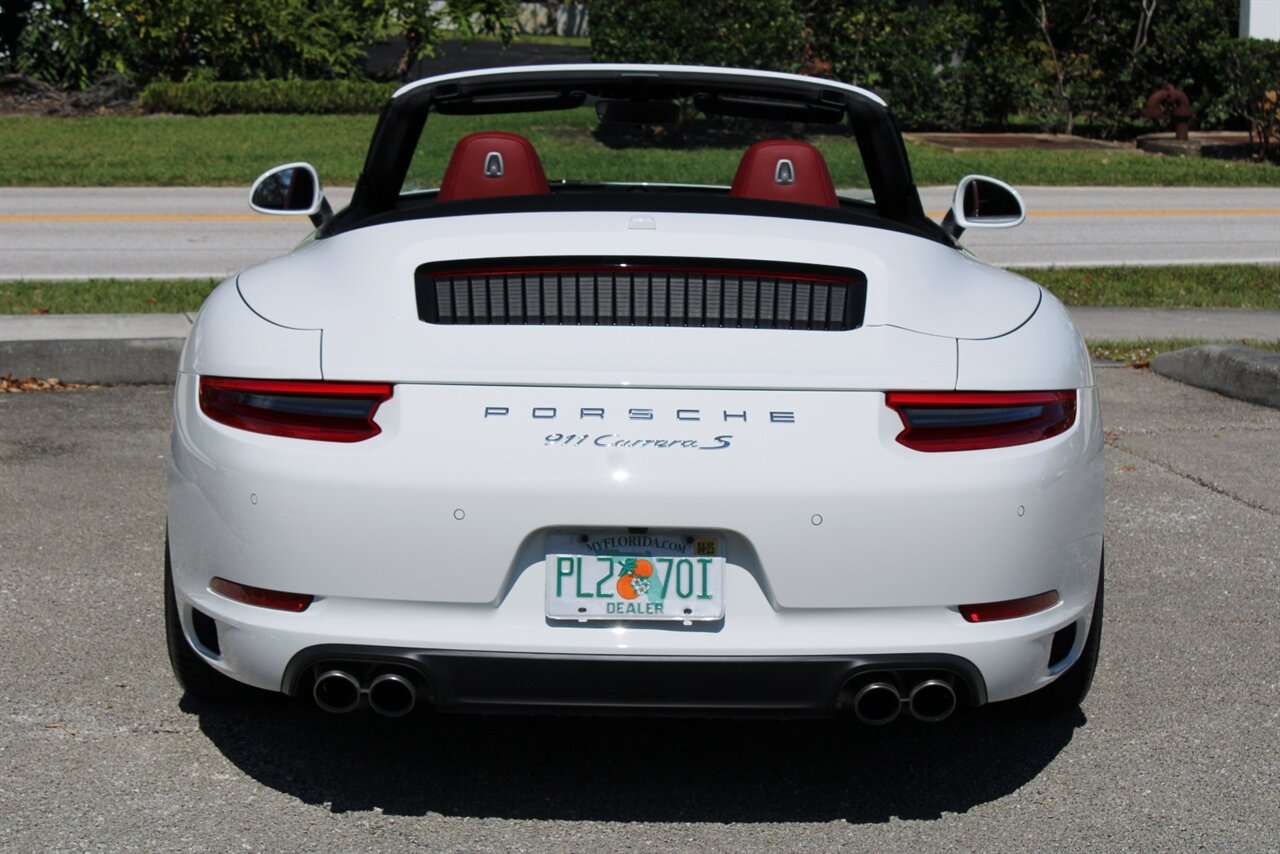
(510, 434)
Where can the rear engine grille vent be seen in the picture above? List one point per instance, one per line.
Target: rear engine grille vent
(641, 292)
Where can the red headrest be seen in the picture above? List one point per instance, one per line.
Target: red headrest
(492, 163)
(785, 170)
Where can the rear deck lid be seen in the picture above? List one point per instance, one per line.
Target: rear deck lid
(690, 300)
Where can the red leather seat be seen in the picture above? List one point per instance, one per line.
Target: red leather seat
(785, 170)
(492, 163)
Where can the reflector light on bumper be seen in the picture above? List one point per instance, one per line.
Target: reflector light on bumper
(969, 421)
(259, 597)
(1009, 608)
(298, 409)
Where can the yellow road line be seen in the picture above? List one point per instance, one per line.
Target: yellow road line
(253, 217)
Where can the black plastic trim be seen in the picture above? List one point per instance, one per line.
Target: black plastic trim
(806, 686)
(639, 199)
(206, 631)
(854, 281)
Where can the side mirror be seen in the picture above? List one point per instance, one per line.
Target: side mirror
(291, 190)
(982, 202)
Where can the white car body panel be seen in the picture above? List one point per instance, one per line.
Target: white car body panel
(433, 534)
(258, 348)
(314, 287)
(1047, 352)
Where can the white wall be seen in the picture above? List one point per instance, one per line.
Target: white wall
(1260, 19)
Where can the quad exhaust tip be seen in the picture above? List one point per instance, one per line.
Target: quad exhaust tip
(877, 703)
(392, 695)
(337, 692)
(931, 701)
(880, 702)
(389, 694)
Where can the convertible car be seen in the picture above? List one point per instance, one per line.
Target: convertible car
(635, 389)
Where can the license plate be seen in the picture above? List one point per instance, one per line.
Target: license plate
(630, 586)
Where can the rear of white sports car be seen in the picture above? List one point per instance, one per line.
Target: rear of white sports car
(635, 460)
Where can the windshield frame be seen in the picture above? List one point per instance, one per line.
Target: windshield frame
(402, 121)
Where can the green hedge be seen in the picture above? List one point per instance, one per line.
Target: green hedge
(973, 64)
(739, 33)
(205, 98)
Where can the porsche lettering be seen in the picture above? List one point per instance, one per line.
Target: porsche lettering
(584, 413)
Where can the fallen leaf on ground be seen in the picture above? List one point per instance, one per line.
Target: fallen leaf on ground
(10, 383)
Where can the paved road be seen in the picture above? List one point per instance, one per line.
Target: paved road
(1176, 749)
(139, 232)
(1070, 226)
(177, 232)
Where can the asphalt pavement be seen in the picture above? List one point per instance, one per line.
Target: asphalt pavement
(1174, 750)
(1098, 226)
(177, 232)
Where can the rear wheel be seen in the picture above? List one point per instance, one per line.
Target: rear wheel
(194, 674)
(1068, 691)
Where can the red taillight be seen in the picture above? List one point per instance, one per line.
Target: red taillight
(970, 421)
(295, 602)
(299, 409)
(1009, 608)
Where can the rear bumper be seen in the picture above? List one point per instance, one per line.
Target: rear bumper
(603, 684)
(486, 650)
(839, 542)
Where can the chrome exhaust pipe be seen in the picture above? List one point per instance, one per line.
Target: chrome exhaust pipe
(337, 692)
(877, 703)
(392, 695)
(931, 701)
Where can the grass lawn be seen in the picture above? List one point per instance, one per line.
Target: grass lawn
(170, 151)
(1031, 167)
(104, 296)
(1227, 286)
(1221, 286)
(166, 150)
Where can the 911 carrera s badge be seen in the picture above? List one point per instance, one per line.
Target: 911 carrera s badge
(685, 418)
(612, 440)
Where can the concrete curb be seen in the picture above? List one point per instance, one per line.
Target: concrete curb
(1204, 324)
(1230, 369)
(133, 361)
(94, 348)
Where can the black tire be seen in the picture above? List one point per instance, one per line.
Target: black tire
(194, 674)
(1067, 692)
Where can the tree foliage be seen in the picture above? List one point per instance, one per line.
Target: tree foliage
(1251, 69)
(304, 97)
(962, 64)
(1099, 59)
(953, 64)
(737, 33)
(950, 64)
(69, 42)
